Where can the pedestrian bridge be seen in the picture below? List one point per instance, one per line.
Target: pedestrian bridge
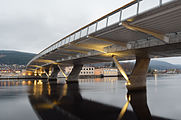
(141, 30)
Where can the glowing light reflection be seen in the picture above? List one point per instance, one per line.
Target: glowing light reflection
(124, 108)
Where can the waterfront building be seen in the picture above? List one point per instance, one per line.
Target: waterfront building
(86, 70)
(110, 71)
(106, 71)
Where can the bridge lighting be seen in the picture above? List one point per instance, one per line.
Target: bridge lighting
(127, 83)
(96, 47)
(130, 20)
(124, 108)
(37, 66)
(50, 72)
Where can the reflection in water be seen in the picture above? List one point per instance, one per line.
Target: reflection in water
(49, 88)
(156, 77)
(138, 101)
(139, 105)
(156, 81)
(124, 108)
(53, 101)
(15, 83)
(38, 87)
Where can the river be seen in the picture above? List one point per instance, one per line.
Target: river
(91, 99)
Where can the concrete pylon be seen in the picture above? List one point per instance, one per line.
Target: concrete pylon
(138, 75)
(73, 76)
(54, 72)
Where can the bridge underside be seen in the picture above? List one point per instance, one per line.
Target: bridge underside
(152, 34)
(128, 43)
(169, 50)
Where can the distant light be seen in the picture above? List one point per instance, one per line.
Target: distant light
(29, 82)
(23, 82)
(29, 74)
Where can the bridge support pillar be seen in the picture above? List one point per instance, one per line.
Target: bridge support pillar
(73, 76)
(54, 73)
(45, 73)
(138, 75)
(63, 73)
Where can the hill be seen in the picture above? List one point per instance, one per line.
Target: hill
(161, 65)
(14, 57)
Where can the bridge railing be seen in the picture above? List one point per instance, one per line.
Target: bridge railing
(129, 10)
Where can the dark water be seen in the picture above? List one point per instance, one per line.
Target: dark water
(91, 99)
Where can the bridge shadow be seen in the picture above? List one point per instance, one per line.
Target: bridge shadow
(52, 101)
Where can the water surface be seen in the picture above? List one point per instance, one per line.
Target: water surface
(90, 99)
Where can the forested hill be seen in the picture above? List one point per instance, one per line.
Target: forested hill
(15, 57)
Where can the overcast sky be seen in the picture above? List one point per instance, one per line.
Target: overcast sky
(32, 25)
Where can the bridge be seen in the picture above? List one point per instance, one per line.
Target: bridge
(139, 30)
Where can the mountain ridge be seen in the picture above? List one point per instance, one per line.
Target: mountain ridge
(15, 57)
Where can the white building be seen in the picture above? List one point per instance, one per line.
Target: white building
(85, 70)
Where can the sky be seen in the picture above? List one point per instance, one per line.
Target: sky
(32, 25)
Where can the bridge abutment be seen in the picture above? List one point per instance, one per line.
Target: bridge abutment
(138, 75)
(73, 76)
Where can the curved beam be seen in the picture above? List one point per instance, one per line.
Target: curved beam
(112, 41)
(160, 36)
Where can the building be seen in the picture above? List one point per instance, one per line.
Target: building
(85, 70)
(106, 71)
(92, 71)
(110, 71)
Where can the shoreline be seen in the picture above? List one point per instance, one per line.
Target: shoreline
(80, 77)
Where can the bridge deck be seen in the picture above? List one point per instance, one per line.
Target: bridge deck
(99, 45)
